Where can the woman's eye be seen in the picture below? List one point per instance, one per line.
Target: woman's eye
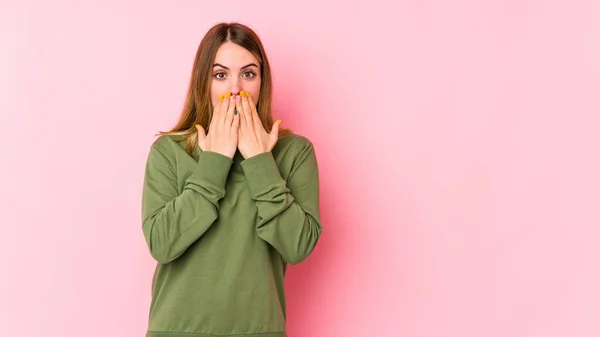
(220, 76)
(249, 74)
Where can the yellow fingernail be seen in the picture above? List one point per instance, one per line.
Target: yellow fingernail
(227, 95)
(220, 97)
(242, 93)
(279, 121)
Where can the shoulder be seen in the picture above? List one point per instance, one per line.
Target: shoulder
(293, 148)
(295, 142)
(167, 145)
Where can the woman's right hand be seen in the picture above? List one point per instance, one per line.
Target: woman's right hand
(223, 129)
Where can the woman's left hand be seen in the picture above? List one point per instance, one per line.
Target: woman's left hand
(253, 139)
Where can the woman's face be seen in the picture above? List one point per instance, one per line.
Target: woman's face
(235, 69)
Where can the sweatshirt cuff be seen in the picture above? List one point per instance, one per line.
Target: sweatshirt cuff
(261, 171)
(213, 168)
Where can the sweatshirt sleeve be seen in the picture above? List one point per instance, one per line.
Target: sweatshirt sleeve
(172, 221)
(288, 211)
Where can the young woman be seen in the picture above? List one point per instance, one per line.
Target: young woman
(229, 199)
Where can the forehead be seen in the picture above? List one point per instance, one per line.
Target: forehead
(230, 55)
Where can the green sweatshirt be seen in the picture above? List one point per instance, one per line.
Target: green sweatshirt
(222, 231)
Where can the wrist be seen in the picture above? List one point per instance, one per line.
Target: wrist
(254, 154)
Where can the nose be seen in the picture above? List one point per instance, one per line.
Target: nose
(235, 88)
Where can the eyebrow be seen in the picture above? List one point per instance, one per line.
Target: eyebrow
(246, 66)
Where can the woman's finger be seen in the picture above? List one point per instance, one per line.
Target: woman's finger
(231, 111)
(216, 112)
(275, 129)
(235, 125)
(201, 136)
(242, 112)
(220, 110)
(228, 115)
(252, 111)
(247, 110)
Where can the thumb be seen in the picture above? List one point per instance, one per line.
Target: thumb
(201, 137)
(201, 132)
(275, 129)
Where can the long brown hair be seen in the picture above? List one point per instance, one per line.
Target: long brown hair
(198, 108)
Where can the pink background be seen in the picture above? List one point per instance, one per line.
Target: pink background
(458, 143)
